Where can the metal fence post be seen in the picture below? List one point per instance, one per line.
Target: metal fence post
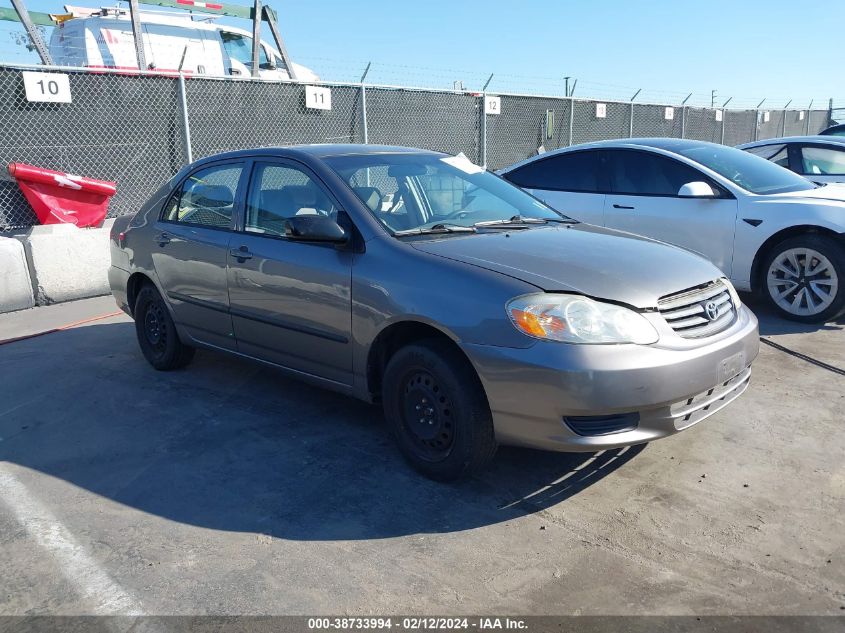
(807, 122)
(571, 120)
(724, 116)
(186, 124)
(483, 131)
(364, 111)
(683, 121)
(364, 114)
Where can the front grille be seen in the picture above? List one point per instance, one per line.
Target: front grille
(700, 311)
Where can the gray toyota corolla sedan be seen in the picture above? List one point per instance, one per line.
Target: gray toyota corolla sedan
(473, 312)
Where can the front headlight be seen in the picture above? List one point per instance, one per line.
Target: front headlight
(734, 294)
(578, 319)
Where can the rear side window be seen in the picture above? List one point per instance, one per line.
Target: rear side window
(647, 174)
(822, 161)
(578, 171)
(206, 197)
(777, 154)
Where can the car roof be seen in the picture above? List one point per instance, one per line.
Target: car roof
(835, 127)
(820, 140)
(667, 144)
(321, 151)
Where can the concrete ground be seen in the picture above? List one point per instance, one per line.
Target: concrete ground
(227, 488)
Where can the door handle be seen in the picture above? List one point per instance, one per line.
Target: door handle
(241, 254)
(163, 239)
(621, 206)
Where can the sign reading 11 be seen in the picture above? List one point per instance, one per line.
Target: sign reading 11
(318, 98)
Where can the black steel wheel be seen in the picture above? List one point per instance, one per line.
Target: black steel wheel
(437, 411)
(157, 334)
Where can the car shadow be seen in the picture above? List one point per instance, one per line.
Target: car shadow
(772, 324)
(231, 445)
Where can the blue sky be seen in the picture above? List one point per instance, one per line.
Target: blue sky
(743, 49)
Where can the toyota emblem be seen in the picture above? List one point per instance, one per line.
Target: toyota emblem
(711, 310)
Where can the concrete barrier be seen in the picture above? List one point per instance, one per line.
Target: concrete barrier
(15, 282)
(66, 262)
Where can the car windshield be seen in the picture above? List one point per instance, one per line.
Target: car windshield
(745, 170)
(419, 193)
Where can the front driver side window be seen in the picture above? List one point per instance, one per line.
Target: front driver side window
(206, 198)
(279, 192)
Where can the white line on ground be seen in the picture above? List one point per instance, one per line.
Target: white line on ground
(104, 596)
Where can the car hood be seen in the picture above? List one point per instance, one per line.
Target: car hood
(834, 192)
(581, 258)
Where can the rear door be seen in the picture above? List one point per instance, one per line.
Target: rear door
(644, 200)
(190, 251)
(574, 183)
(290, 300)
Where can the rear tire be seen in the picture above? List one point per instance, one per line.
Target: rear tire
(157, 334)
(437, 411)
(803, 278)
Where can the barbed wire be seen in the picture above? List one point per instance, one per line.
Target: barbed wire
(16, 50)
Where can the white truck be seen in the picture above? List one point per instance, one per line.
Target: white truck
(102, 38)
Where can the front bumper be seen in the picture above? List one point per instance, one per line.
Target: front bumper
(666, 387)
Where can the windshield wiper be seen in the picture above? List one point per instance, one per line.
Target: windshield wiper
(521, 221)
(437, 229)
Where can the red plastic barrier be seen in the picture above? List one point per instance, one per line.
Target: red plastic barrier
(59, 198)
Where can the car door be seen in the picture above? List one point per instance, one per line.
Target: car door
(821, 163)
(290, 300)
(190, 250)
(644, 200)
(573, 183)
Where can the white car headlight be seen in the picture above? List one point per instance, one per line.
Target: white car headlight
(578, 319)
(734, 294)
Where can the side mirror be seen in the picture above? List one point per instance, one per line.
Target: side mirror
(314, 228)
(697, 189)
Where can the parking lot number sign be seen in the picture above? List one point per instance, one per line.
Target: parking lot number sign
(801, 115)
(318, 98)
(601, 110)
(669, 113)
(492, 105)
(766, 117)
(718, 115)
(47, 87)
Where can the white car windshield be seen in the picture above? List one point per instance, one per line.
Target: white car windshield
(415, 192)
(746, 170)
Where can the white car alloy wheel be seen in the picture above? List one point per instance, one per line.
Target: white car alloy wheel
(802, 282)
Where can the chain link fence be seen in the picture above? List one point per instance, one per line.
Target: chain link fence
(138, 129)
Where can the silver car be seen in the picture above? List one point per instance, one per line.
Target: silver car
(474, 313)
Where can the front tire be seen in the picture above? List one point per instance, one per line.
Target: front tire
(437, 411)
(157, 334)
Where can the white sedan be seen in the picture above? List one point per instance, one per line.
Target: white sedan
(769, 229)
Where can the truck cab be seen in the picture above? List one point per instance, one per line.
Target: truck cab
(103, 38)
